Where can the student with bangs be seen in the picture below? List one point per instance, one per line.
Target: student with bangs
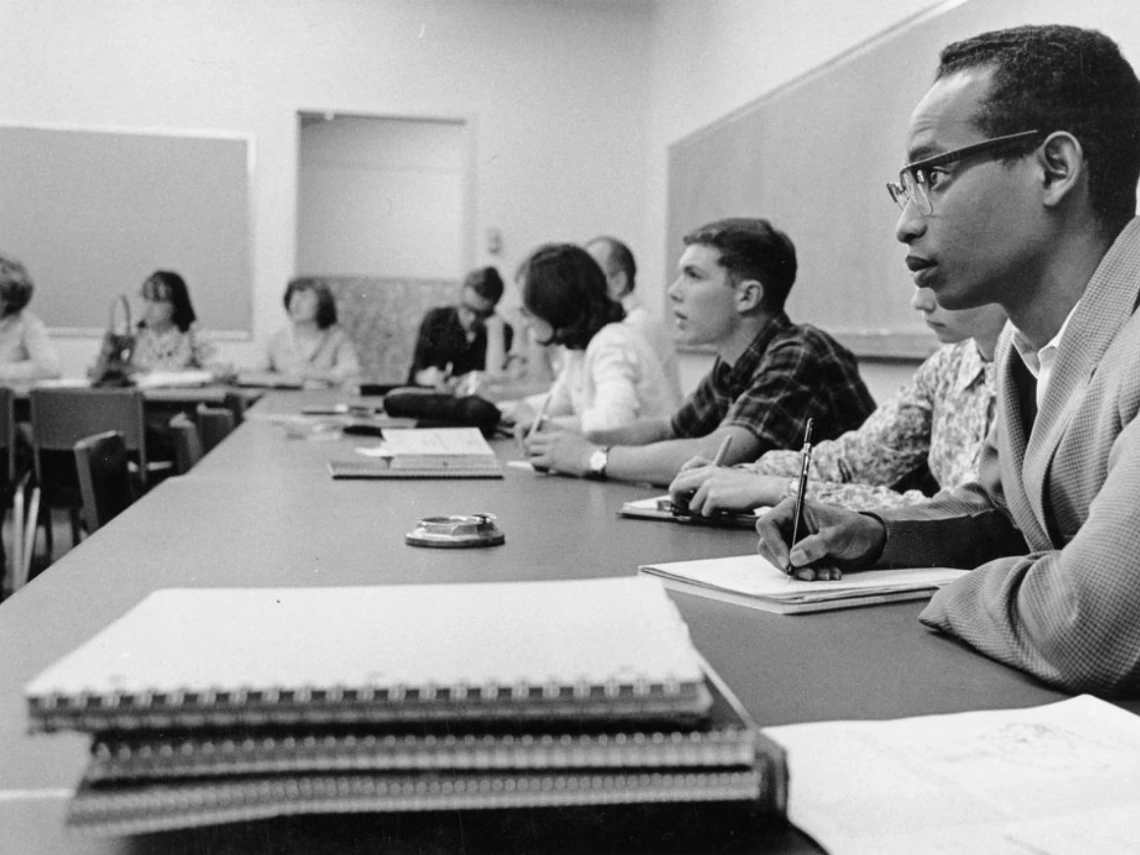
(609, 375)
(314, 348)
(167, 337)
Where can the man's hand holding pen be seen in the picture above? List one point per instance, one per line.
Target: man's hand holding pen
(831, 540)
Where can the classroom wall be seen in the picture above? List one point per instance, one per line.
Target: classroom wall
(555, 93)
(712, 57)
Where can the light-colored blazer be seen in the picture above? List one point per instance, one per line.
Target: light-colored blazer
(1059, 496)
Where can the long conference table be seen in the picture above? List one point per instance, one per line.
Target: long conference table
(262, 510)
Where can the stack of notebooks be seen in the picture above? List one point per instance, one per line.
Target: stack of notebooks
(423, 453)
(219, 705)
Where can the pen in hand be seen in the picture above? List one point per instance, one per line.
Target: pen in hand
(722, 452)
(801, 492)
(539, 419)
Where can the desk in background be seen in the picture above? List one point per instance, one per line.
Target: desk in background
(261, 510)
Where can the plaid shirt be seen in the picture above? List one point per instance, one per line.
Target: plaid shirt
(790, 373)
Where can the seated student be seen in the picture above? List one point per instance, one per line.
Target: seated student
(609, 375)
(1040, 219)
(26, 353)
(617, 262)
(314, 348)
(453, 340)
(769, 378)
(167, 337)
(937, 422)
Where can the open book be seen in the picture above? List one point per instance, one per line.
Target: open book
(460, 452)
(750, 580)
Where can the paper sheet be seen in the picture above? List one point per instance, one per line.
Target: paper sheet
(1052, 780)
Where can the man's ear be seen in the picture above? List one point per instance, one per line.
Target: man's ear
(1063, 165)
(749, 295)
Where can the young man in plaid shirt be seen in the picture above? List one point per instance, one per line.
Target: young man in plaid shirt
(769, 378)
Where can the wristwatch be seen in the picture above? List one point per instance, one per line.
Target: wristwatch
(596, 465)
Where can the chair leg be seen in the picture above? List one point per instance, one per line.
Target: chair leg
(74, 515)
(45, 521)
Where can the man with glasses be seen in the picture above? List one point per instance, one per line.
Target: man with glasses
(1021, 191)
(453, 340)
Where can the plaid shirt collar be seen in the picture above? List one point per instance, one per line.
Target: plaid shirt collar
(736, 378)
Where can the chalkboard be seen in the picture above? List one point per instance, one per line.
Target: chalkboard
(814, 157)
(92, 213)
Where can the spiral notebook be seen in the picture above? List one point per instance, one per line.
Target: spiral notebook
(137, 783)
(599, 649)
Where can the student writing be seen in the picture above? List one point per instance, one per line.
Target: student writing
(935, 424)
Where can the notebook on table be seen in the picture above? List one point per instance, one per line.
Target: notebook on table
(612, 648)
(222, 705)
(662, 508)
(751, 581)
(138, 784)
(423, 453)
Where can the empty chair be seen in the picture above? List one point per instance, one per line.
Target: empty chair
(62, 417)
(105, 482)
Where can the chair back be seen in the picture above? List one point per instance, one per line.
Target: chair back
(214, 425)
(8, 435)
(104, 477)
(187, 443)
(62, 417)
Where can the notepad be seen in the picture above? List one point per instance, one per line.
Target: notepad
(608, 649)
(750, 580)
(1061, 779)
(423, 453)
(661, 508)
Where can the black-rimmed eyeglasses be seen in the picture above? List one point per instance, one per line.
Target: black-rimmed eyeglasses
(917, 179)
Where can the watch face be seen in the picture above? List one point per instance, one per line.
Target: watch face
(598, 462)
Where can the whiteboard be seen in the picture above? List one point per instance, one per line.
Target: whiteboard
(814, 157)
(92, 213)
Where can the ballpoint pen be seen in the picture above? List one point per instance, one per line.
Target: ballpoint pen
(801, 492)
(722, 452)
(540, 418)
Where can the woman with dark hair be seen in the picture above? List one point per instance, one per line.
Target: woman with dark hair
(25, 351)
(167, 336)
(314, 348)
(608, 375)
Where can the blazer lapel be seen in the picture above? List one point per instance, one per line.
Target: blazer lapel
(1106, 306)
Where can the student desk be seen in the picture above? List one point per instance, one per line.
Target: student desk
(261, 510)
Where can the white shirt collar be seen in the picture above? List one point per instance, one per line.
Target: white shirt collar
(1040, 362)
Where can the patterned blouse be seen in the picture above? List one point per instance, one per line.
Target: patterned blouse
(172, 350)
(940, 418)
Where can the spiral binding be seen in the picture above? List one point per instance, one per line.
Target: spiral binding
(186, 707)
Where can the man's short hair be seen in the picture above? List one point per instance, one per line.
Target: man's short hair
(1060, 78)
(619, 259)
(486, 282)
(15, 285)
(752, 248)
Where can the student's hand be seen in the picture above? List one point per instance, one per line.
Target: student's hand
(436, 378)
(831, 540)
(523, 417)
(695, 463)
(559, 450)
(716, 488)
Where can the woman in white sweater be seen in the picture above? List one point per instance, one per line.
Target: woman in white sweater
(609, 375)
(26, 354)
